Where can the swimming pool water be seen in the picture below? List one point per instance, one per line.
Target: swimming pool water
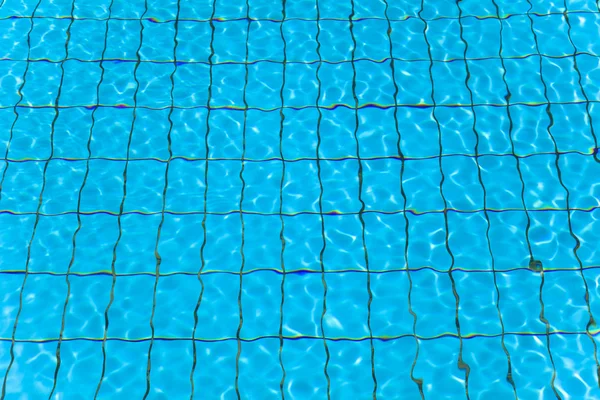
(332, 199)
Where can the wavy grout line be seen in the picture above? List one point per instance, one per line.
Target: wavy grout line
(298, 213)
(363, 206)
(462, 365)
(296, 271)
(79, 196)
(417, 381)
(121, 209)
(542, 281)
(282, 232)
(298, 62)
(470, 336)
(401, 158)
(164, 204)
(238, 19)
(487, 219)
(207, 150)
(591, 320)
(321, 190)
(242, 255)
(329, 107)
(20, 92)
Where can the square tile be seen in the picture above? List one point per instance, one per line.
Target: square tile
(223, 232)
(265, 41)
(224, 186)
(421, 183)
(163, 41)
(214, 374)
(302, 190)
(52, 245)
(462, 188)
(468, 240)
(186, 189)
(135, 252)
(385, 237)
(508, 239)
(225, 139)
(173, 381)
(218, 313)
(355, 377)
(434, 303)
(303, 242)
(64, 181)
(377, 134)
(145, 186)
(477, 310)
(84, 317)
(303, 291)
(176, 299)
(335, 39)
(520, 301)
(14, 240)
(390, 316)
(180, 243)
(347, 312)
(262, 135)
(345, 248)
(300, 36)
(190, 87)
(381, 185)
(262, 242)
(261, 302)
(371, 41)
(130, 312)
(427, 242)
(414, 49)
(374, 83)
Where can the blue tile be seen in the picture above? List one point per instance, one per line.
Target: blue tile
(22, 187)
(42, 310)
(414, 84)
(64, 180)
(145, 186)
(444, 38)
(223, 231)
(188, 135)
(52, 245)
(335, 9)
(301, 88)
(347, 312)
(416, 47)
(386, 240)
(93, 255)
(270, 9)
(31, 134)
(214, 375)
(199, 10)
(571, 129)
(486, 82)
(264, 86)
(231, 9)
(262, 181)
(162, 44)
(224, 186)
(175, 380)
(337, 133)
(84, 317)
(520, 301)
(303, 242)
(449, 81)
(340, 179)
(229, 42)
(261, 301)
(186, 188)
(153, 79)
(162, 9)
(265, 42)
(218, 313)
(262, 242)
(41, 88)
(468, 240)
(494, 130)
(227, 85)
(517, 37)
(530, 353)
(489, 368)
(11, 85)
(149, 138)
(477, 8)
(393, 364)
(420, 136)
(567, 87)
(565, 305)
(125, 319)
(299, 134)
(80, 83)
(482, 35)
(80, 371)
(568, 349)
(135, 252)
(508, 239)
(334, 37)
(422, 185)
(542, 186)
(11, 285)
(585, 226)
(551, 240)
(336, 85)
(462, 188)
(191, 38)
(374, 83)
(104, 186)
(443, 380)
(123, 39)
(226, 133)
(478, 312)
(68, 141)
(580, 32)
(345, 248)
(530, 130)
(580, 176)
(262, 135)
(300, 38)
(390, 316)
(301, 191)
(433, 302)
(15, 238)
(355, 377)
(118, 85)
(371, 38)
(191, 82)
(174, 314)
(180, 242)
(377, 133)
(309, 382)
(381, 185)
(456, 126)
(370, 8)
(128, 9)
(552, 37)
(303, 292)
(32, 373)
(48, 38)
(502, 182)
(125, 370)
(97, 9)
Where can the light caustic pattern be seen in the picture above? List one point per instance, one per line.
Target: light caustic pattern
(299, 199)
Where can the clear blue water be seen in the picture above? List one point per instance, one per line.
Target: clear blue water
(262, 199)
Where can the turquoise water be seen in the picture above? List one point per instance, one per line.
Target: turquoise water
(349, 199)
